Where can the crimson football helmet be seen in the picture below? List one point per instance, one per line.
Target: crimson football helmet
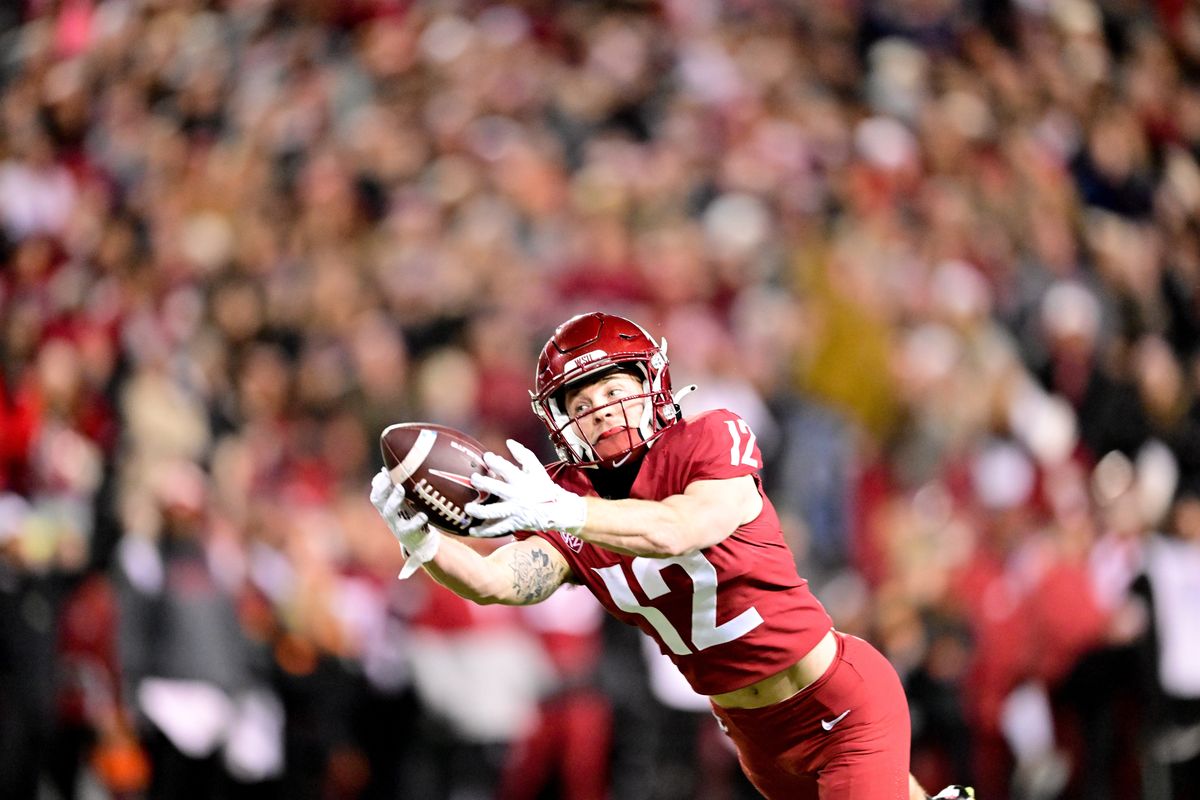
(584, 348)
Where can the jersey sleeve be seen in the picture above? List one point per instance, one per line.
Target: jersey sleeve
(720, 444)
(564, 543)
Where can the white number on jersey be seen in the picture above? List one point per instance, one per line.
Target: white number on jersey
(739, 456)
(705, 630)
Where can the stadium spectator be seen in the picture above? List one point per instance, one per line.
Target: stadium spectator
(1168, 588)
(196, 684)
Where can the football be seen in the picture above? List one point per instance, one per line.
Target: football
(434, 464)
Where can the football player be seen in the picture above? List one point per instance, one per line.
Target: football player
(664, 519)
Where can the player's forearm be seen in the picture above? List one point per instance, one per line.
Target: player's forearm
(520, 573)
(467, 573)
(655, 529)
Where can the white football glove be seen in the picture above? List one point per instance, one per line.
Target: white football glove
(417, 541)
(529, 500)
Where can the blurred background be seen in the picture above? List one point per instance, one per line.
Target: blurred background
(944, 255)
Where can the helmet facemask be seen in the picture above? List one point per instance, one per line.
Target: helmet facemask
(657, 412)
(584, 350)
(630, 436)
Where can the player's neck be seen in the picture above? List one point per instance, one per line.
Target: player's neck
(615, 483)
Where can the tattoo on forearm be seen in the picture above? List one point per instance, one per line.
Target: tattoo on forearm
(534, 576)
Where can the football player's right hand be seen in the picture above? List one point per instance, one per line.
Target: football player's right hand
(527, 499)
(417, 541)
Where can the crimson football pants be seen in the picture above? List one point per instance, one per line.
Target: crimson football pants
(844, 737)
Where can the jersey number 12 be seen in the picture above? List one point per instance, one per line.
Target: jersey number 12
(739, 454)
(705, 630)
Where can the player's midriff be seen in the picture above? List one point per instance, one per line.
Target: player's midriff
(785, 683)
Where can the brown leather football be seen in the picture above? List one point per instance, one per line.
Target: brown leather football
(434, 464)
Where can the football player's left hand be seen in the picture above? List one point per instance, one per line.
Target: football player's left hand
(528, 499)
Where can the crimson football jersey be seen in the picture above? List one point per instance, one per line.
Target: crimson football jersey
(728, 615)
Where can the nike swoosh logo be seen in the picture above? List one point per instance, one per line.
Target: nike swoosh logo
(828, 724)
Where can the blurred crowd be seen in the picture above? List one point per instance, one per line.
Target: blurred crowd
(944, 255)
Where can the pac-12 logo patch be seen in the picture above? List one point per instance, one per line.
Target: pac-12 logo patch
(572, 541)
